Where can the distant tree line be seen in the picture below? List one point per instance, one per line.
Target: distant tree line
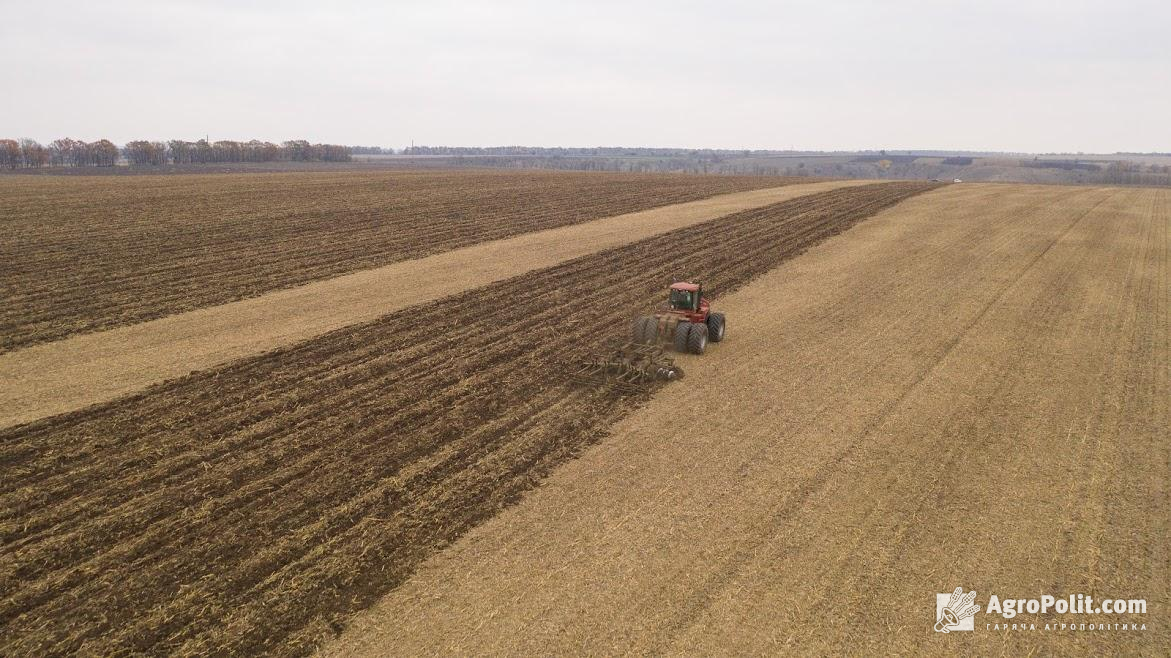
(1115, 172)
(371, 150)
(61, 153)
(896, 159)
(1123, 172)
(642, 151)
(203, 152)
(600, 151)
(618, 164)
(27, 153)
(1067, 165)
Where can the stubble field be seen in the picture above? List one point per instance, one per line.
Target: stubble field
(923, 386)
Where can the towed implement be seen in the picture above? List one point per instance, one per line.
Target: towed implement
(629, 366)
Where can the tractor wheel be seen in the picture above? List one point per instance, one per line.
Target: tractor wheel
(715, 327)
(681, 331)
(638, 329)
(650, 330)
(697, 338)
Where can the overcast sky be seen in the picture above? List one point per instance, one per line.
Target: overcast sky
(1019, 75)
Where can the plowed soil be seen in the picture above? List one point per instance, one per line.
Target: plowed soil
(970, 389)
(78, 254)
(255, 507)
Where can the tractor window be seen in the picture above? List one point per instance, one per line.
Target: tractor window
(682, 299)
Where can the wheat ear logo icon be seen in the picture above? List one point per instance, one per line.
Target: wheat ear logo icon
(959, 607)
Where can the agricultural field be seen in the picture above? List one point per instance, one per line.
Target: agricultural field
(257, 505)
(83, 254)
(923, 386)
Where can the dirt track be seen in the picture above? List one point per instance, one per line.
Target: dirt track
(969, 390)
(69, 374)
(256, 506)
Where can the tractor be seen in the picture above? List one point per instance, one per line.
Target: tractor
(687, 323)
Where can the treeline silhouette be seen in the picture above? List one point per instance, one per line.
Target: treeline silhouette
(27, 153)
(61, 153)
(371, 150)
(598, 151)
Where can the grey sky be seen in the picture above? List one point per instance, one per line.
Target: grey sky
(1024, 75)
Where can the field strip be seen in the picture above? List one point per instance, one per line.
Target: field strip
(57, 377)
(969, 389)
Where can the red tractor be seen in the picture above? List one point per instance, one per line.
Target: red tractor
(687, 322)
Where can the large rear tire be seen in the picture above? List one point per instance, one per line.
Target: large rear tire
(650, 330)
(715, 327)
(638, 331)
(697, 338)
(681, 332)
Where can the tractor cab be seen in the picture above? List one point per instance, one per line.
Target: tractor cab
(687, 299)
(684, 296)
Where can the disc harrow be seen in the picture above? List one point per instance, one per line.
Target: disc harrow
(628, 366)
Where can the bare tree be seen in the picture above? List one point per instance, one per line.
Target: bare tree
(142, 152)
(9, 153)
(60, 152)
(105, 153)
(33, 154)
